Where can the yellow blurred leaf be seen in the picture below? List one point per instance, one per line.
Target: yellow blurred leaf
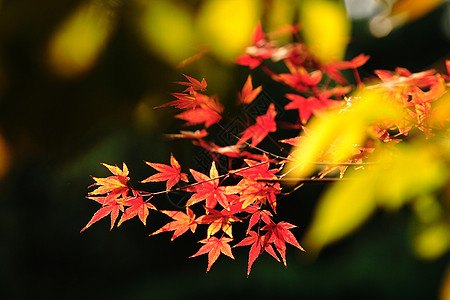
(167, 27)
(441, 112)
(343, 208)
(432, 241)
(416, 170)
(226, 25)
(280, 13)
(414, 9)
(334, 137)
(78, 42)
(427, 209)
(325, 28)
(412, 172)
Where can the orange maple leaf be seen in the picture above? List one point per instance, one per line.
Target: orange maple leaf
(248, 94)
(138, 207)
(115, 190)
(279, 234)
(218, 220)
(111, 206)
(194, 83)
(208, 189)
(309, 106)
(114, 185)
(264, 125)
(170, 173)
(183, 222)
(256, 249)
(214, 246)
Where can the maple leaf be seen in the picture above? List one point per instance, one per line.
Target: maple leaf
(170, 173)
(261, 49)
(248, 94)
(218, 220)
(258, 170)
(184, 101)
(200, 115)
(182, 223)
(208, 189)
(207, 110)
(256, 249)
(279, 234)
(356, 62)
(309, 106)
(198, 134)
(194, 83)
(115, 188)
(251, 192)
(138, 207)
(258, 215)
(264, 125)
(214, 246)
(111, 206)
(113, 185)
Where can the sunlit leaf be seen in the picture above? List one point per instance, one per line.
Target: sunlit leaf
(325, 28)
(80, 39)
(409, 172)
(225, 25)
(167, 27)
(432, 241)
(341, 210)
(413, 9)
(334, 137)
(281, 12)
(415, 171)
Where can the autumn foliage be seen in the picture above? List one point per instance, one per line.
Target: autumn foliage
(342, 126)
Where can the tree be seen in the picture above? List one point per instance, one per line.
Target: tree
(382, 141)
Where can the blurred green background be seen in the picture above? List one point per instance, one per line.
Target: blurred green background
(78, 81)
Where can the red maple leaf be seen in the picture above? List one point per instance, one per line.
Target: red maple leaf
(138, 207)
(208, 189)
(184, 101)
(256, 249)
(111, 206)
(258, 170)
(198, 134)
(207, 110)
(112, 185)
(194, 83)
(258, 215)
(182, 223)
(356, 62)
(308, 106)
(115, 190)
(261, 49)
(254, 192)
(170, 173)
(218, 220)
(279, 234)
(248, 94)
(200, 115)
(214, 246)
(264, 125)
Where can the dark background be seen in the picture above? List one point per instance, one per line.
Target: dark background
(59, 130)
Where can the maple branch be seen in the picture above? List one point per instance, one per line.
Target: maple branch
(255, 147)
(303, 179)
(182, 188)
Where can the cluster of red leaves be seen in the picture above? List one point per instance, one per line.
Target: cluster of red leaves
(305, 73)
(415, 92)
(249, 193)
